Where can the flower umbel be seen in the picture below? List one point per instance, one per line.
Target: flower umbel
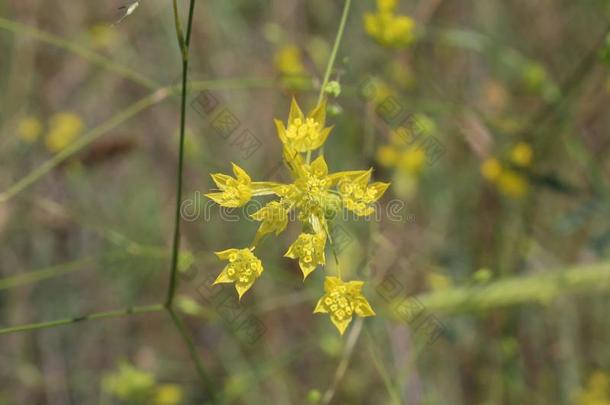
(342, 300)
(315, 195)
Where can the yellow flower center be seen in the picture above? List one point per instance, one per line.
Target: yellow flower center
(243, 267)
(302, 130)
(339, 305)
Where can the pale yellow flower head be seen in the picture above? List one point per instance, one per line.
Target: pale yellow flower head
(309, 250)
(64, 128)
(235, 192)
(243, 269)
(358, 195)
(342, 300)
(274, 218)
(304, 133)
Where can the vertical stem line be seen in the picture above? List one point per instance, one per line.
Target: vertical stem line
(207, 382)
(333, 54)
(184, 47)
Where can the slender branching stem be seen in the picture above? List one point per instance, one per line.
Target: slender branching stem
(333, 56)
(184, 46)
(203, 376)
(84, 318)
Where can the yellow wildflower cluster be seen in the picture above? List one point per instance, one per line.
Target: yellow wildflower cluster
(507, 176)
(316, 196)
(388, 28)
(597, 391)
(63, 129)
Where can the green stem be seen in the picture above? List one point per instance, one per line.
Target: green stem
(85, 140)
(173, 278)
(90, 317)
(193, 352)
(333, 54)
(541, 288)
(117, 119)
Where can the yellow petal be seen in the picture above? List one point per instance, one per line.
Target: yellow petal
(307, 268)
(320, 307)
(224, 254)
(220, 180)
(363, 308)
(241, 289)
(295, 112)
(281, 130)
(223, 277)
(355, 287)
(241, 174)
(331, 282)
(379, 188)
(341, 325)
(319, 167)
(319, 113)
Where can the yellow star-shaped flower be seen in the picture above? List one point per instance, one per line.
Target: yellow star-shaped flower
(342, 300)
(243, 269)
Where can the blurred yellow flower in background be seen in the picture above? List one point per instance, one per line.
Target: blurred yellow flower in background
(512, 184)
(288, 60)
(491, 169)
(387, 155)
(168, 394)
(521, 154)
(412, 160)
(597, 391)
(64, 128)
(29, 129)
(387, 28)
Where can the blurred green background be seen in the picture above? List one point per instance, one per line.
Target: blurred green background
(488, 264)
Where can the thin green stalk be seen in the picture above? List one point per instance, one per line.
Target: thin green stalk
(46, 273)
(184, 42)
(193, 352)
(79, 50)
(85, 140)
(118, 119)
(333, 54)
(84, 318)
(173, 277)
